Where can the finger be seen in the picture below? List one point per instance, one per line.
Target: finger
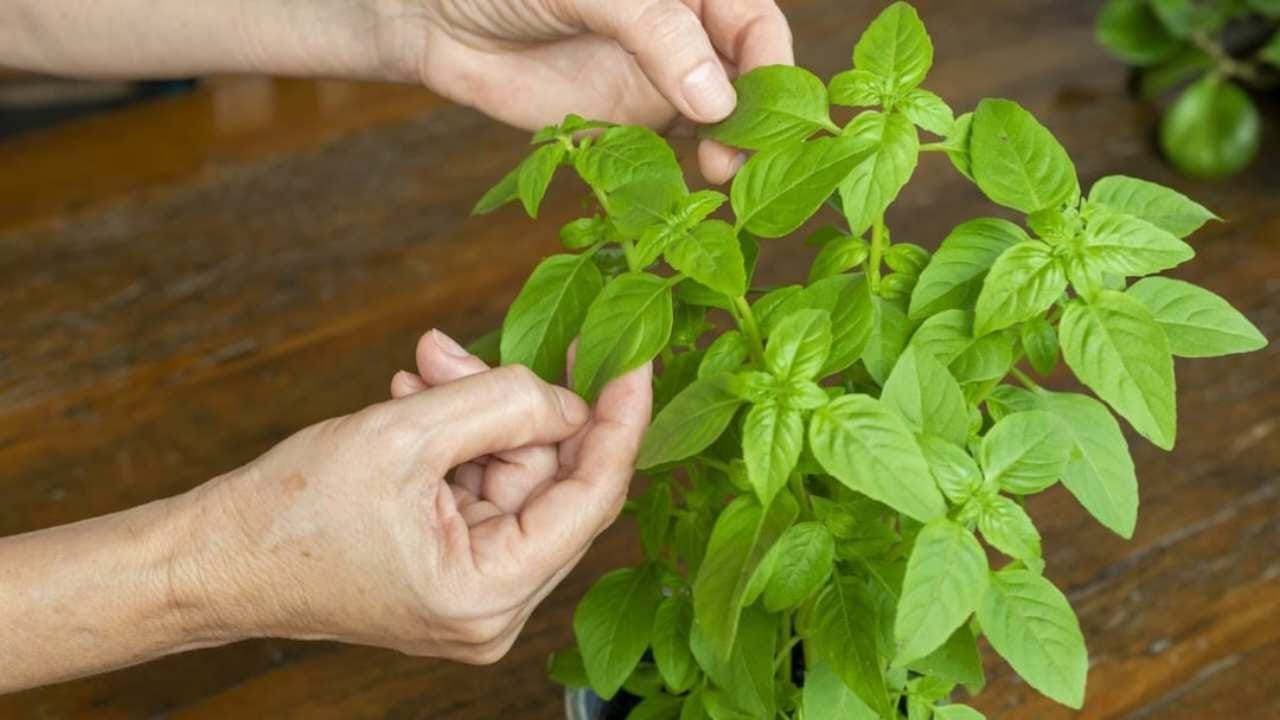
(671, 47)
(751, 33)
(405, 383)
(470, 477)
(719, 163)
(486, 413)
(568, 514)
(442, 360)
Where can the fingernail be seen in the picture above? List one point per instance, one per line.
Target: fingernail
(738, 161)
(572, 408)
(708, 92)
(448, 345)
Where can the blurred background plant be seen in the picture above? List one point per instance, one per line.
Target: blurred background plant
(1208, 55)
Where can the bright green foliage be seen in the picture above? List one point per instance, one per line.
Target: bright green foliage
(830, 462)
(1213, 127)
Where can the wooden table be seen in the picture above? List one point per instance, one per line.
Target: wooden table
(183, 285)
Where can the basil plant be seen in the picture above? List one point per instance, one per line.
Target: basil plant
(838, 469)
(1216, 49)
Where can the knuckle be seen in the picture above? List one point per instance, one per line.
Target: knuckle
(664, 23)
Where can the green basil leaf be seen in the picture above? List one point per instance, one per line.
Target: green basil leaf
(743, 681)
(1029, 622)
(689, 423)
(954, 470)
(847, 299)
(953, 277)
(924, 394)
(653, 515)
(869, 450)
(772, 437)
(776, 304)
(893, 148)
(566, 667)
(928, 111)
(742, 537)
(1268, 8)
(1017, 162)
(777, 105)
(987, 358)
(778, 189)
(957, 145)
(1214, 129)
(799, 345)
(945, 336)
(1040, 341)
(677, 374)
(957, 712)
(858, 88)
(803, 559)
(1116, 348)
(612, 624)
(946, 577)
(711, 255)
(896, 47)
(1006, 526)
(888, 339)
(671, 627)
(584, 232)
(1132, 31)
(1197, 322)
(547, 314)
(486, 347)
(844, 623)
(1163, 207)
(1026, 452)
(1024, 282)
(640, 210)
(837, 256)
(726, 354)
(627, 325)
(657, 707)
(504, 192)
(1126, 246)
(627, 153)
(957, 661)
(826, 697)
(1270, 53)
(536, 173)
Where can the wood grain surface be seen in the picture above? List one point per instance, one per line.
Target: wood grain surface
(183, 284)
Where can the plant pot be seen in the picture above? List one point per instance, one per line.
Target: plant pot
(583, 704)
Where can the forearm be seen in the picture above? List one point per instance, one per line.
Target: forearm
(144, 38)
(104, 593)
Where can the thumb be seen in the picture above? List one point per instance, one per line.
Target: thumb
(673, 49)
(490, 412)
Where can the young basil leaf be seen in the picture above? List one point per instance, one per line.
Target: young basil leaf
(957, 661)
(659, 706)
(1029, 622)
(1026, 452)
(837, 256)
(1100, 472)
(844, 628)
(858, 88)
(1040, 342)
(1197, 322)
(689, 423)
(946, 577)
(869, 450)
(653, 515)
(640, 210)
(662, 231)
(924, 394)
(726, 354)
(535, 175)
(987, 358)
(1017, 162)
(957, 712)
(1132, 31)
(742, 684)
(1163, 207)
(1006, 526)
(742, 537)
(953, 277)
(584, 232)
(826, 697)
(847, 299)
(626, 326)
(1126, 246)
(1006, 400)
(888, 339)
(777, 105)
(773, 306)
(566, 667)
(928, 111)
(612, 625)
(778, 189)
(627, 153)
(803, 561)
(677, 374)
(671, 627)
(893, 147)
(1024, 282)
(957, 145)
(799, 345)
(896, 47)
(547, 314)
(507, 190)
(711, 255)
(1214, 129)
(945, 336)
(772, 437)
(906, 258)
(952, 468)
(1116, 348)
(487, 347)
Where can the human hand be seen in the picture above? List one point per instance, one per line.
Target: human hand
(350, 531)
(530, 62)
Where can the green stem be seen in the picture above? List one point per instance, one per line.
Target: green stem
(934, 147)
(1025, 379)
(629, 250)
(802, 494)
(750, 329)
(877, 253)
(831, 127)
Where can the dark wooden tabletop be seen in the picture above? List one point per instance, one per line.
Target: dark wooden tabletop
(183, 285)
